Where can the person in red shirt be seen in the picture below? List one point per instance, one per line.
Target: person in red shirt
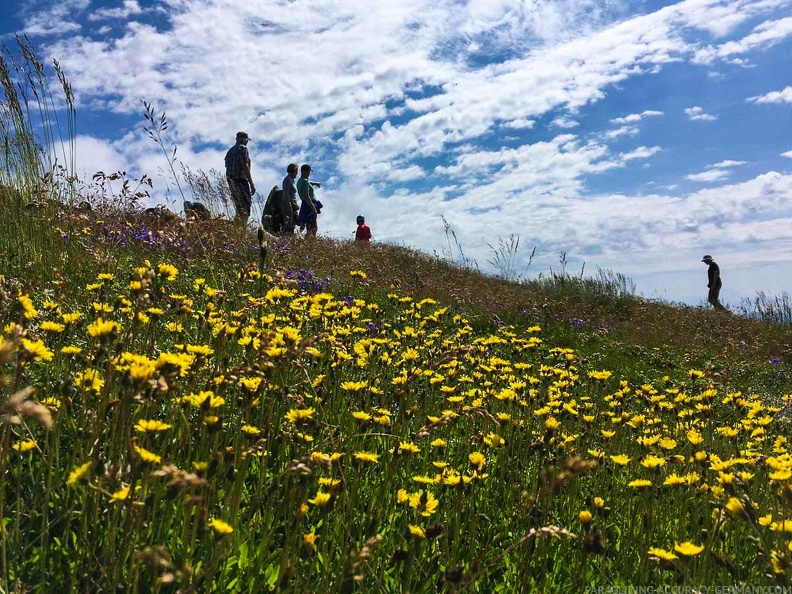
(363, 232)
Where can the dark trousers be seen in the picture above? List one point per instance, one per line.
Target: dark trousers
(242, 199)
(712, 297)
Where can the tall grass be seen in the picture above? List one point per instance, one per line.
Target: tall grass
(775, 309)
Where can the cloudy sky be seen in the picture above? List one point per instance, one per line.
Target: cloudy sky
(632, 135)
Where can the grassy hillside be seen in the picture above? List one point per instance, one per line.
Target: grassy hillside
(177, 416)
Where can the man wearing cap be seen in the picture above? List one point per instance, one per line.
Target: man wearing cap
(240, 182)
(715, 283)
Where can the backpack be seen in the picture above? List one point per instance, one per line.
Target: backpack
(273, 203)
(271, 217)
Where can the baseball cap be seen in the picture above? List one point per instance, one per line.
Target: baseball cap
(242, 135)
(706, 258)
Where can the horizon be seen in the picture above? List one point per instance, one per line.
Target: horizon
(633, 136)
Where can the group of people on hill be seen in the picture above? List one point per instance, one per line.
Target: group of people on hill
(288, 206)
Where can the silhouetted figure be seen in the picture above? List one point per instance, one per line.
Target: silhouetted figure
(289, 206)
(240, 182)
(715, 283)
(363, 232)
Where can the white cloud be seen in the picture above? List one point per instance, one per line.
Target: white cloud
(698, 114)
(726, 164)
(520, 123)
(130, 8)
(763, 35)
(564, 122)
(708, 176)
(784, 96)
(636, 117)
(621, 131)
(787, 154)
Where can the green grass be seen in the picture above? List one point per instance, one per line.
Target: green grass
(368, 418)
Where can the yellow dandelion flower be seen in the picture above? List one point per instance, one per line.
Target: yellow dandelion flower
(147, 457)
(89, 379)
(24, 446)
(151, 426)
(120, 495)
(599, 502)
(653, 462)
(734, 505)
(309, 539)
(296, 415)
(639, 483)
(416, 531)
(688, 549)
(101, 328)
(585, 517)
(37, 350)
(167, 271)
(621, 459)
(402, 496)
(48, 326)
(321, 499)
(477, 459)
(424, 502)
(439, 443)
(219, 526)
(358, 274)
(408, 447)
(367, 457)
(78, 473)
(662, 554)
(361, 416)
(766, 520)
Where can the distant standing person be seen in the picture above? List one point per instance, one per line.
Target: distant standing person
(715, 283)
(289, 200)
(240, 182)
(363, 232)
(309, 216)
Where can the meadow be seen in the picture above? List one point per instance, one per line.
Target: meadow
(177, 415)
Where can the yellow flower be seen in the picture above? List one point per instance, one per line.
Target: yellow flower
(652, 462)
(37, 350)
(416, 531)
(662, 554)
(354, 386)
(621, 459)
(439, 443)
(600, 375)
(147, 457)
(694, 437)
(781, 475)
(90, 380)
(734, 505)
(321, 499)
(639, 483)
(78, 473)
(101, 328)
(299, 414)
(477, 459)
(585, 516)
(402, 496)
(674, 479)
(24, 446)
(358, 274)
(766, 520)
(688, 549)
(48, 326)
(167, 271)
(599, 502)
(408, 447)
(121, 495)
(424, 502)
(367, 457)
(309, 539)
(149, 426)
(219, 526)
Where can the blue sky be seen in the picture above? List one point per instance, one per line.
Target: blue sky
(632, 135)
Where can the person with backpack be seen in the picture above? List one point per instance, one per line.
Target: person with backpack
(238, 177)
(309, 213)
(289, 206)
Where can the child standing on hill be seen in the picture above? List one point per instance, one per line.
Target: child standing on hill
(363, 232)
